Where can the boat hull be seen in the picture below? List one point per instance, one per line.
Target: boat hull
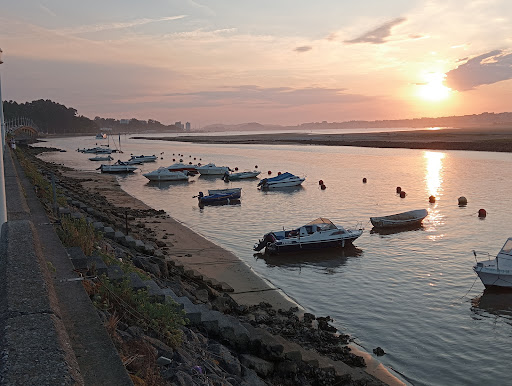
(273, 248)
(400, 220)
(284, 184)
(212, 171)
(494, 279)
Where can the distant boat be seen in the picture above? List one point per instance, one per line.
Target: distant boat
(220, 196)
(118, 167)
(405, 219)
(240, 175)
(137, 159)
(284, 180)
(180, 167)
(101, 158)
(163, 174)
(212, 169)
(101, 136)
(496, 272)
(235, 192)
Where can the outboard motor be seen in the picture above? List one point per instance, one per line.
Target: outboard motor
(263, 242)
(200, 195)
(225, 177)
(262, 182)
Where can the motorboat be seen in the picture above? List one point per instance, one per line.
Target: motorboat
(138, 159)
(496, 272)
(319, 233)
(281, 181)
(163, 174)
(406, 219)
(234, 192)
(101, 136)
(212, 169)
(101, 158)
(180, 167)
(240, 175)
(219, 196)
(96, 150)
(118, 167)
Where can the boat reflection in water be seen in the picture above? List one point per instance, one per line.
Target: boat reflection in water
(323, 258)
(391, 231)
(494, 301)
(164, 185)
(284, 190)
(231, 201)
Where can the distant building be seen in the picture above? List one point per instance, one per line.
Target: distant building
(124, 121)
(179, 124)
(187, 126)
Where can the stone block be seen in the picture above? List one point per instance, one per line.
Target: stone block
(98, 225)
(108, 232)
(154, 291)
(97, 266)
(77, 215)
(139, 245)
(128, 241)
(261, 366)
(148, 249)
(136, 282)
(119, 236)
(115, 273)
(64, 211)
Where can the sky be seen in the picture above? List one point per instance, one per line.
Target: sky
(274, 62)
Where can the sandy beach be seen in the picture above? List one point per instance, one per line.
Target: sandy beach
(477, 139)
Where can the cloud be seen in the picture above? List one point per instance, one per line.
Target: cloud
(303, 49)
(271, 97)
(378, 35)
(115, 26)
(488, 68)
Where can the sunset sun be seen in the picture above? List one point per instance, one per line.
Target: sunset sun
(434, 89)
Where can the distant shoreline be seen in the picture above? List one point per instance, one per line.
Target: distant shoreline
(474, 139)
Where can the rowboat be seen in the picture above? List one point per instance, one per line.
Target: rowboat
(399, 220)
(240, 175)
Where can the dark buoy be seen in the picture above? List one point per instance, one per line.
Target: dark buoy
(482, 213)
(194, 158)
(323, 187)
(255, 166)
(236, 168)
(174, 160)
(398, 189)
(199, 164)
(463, 201)
(432, 199)
(269, 172)
(278, 173)
(190, 163)
(321, 182)
(364, 180)
(402, 194)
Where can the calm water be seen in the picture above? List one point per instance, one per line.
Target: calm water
(412, 293)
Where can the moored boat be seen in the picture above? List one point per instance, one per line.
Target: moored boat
(406, 219)
(212, 169)
(96, 150)
(281, 181)
(219, 196)
(101, 158)
(319, 233)
(180, 167)
(163, 174)
(496, 272)
(234, 192)
(240, 175)
(138, 159)
(118, 167)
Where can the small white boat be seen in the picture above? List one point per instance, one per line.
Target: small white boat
(405, 219)
(319, 233)
(101, 158)
(163, 174)
(240, 175)
(96, 150)
(212, 169)
(118, 167)
(180, 167)
(138, 159)
(101, 136)
(281, 181)
(496, 272)
(235, 192)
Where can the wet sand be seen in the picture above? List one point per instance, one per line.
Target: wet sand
(477, 139)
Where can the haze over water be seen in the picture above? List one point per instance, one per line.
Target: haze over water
(412, 293)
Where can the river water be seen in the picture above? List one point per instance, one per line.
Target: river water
(412, 293)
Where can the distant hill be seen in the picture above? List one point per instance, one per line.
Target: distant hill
(464, 121)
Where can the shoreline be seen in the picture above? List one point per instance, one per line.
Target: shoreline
(192, 251)
(469, 139)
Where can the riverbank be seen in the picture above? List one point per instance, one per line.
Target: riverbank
(476, 139)
(184, 247)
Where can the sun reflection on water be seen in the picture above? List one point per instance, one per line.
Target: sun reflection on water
(434, 181)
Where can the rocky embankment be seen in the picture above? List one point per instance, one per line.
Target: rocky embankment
(224, 342)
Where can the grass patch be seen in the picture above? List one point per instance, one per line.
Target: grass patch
(78, 233)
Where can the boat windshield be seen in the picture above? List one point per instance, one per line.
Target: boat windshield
(507, 248)
(322, 223)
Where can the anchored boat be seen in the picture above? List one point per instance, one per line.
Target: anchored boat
(163, 174)
(118, 167)
(319, 233)
(281, 181)
(240, 175)
(406, 219)
(496, 272)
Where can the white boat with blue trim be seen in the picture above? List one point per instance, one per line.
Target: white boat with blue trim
(284, 180)
(496, 272)
(319, 233)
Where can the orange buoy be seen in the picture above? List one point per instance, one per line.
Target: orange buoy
(482, 213)
(398, 189)
(402, 194)
(321, 182)
(269, 172)
(463, 201)
(432, 199)
(364, 180)
(278, 173)
(323, 187)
